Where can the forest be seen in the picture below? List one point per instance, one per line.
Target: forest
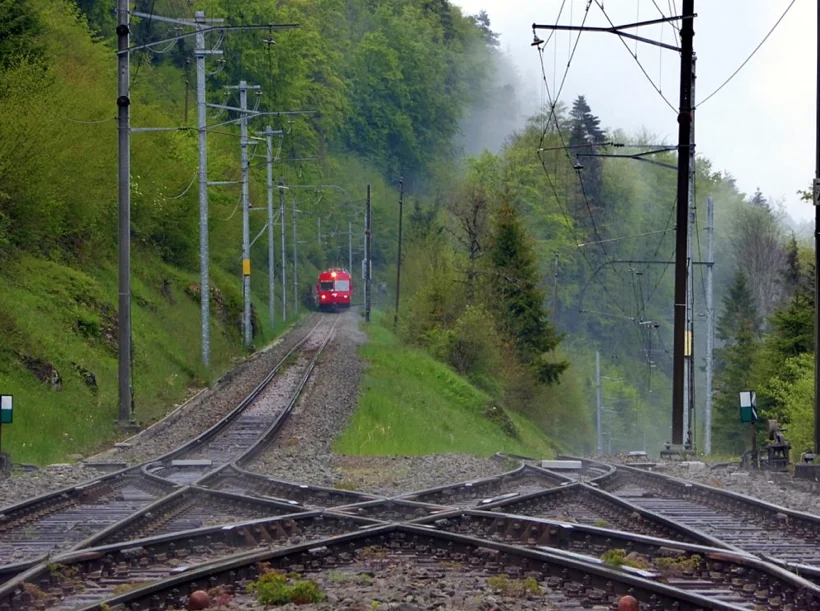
(519, 263)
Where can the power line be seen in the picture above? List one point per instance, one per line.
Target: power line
(751, 55)
(635, 57)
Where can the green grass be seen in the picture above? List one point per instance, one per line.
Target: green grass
(64, 316)
(411, 404)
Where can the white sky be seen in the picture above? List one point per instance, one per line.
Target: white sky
(760, 127)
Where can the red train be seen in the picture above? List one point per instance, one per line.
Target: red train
(334, 289)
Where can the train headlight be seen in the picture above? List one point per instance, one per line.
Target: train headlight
(324, 296)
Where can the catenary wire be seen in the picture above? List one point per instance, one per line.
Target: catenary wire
(751, 55)
(635, 57)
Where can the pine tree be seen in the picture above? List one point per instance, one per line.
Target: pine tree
(518, 301)
(759, 200)
(739, 328)
(585, 133)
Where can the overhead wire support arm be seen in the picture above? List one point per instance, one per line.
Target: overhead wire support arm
(636, 157)
(288, 26)
(617, 30)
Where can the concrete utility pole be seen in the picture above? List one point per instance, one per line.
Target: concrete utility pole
(599, 407)
(271, 275)
(295, 258)
(367, 267)
(284, 270)
(689, 382)
(319, 233)
(398, 262)
(816, 190)
(246, 259)
(204, 281)
(350, 247)
(124, 213)
(710, 323)
(685, 120)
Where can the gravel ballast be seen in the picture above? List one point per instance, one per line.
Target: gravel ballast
(303, 451)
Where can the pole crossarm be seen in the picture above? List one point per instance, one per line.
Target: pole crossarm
(618, 30)
(288, 26)
(636, 157)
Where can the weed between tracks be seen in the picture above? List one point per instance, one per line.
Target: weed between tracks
(272, 588)
(676, 566)
(514, 588)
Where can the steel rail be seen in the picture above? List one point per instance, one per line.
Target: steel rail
(237, 480)
(525, 477)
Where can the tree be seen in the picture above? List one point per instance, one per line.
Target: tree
(585, 134)
(19, 27)
(760, 201)
(738, 327)
(758, 244)
(518, 300)
(482, 21)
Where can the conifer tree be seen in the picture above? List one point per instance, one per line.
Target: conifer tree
(518, 301)
(738, 327)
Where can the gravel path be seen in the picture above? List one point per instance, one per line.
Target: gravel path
(196, 417)
(303, 451)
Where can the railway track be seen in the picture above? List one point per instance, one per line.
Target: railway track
(80, 579)
(584, 505)
(254, 421)
(780, 535)
(454, 564)
(734, 578)
(72, 517)
(60, 520)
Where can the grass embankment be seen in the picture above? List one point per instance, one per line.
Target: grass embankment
(58, 349)
(411, 404)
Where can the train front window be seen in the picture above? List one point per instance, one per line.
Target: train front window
(343, 285)
(326, 286)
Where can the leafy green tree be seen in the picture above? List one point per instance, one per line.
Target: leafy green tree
(518, 299)
(738, 328)
(19, 27)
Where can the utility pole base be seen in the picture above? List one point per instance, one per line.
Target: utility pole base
(128, 426)
(676, 452)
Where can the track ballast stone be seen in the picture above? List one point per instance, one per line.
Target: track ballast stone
(303, 451)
